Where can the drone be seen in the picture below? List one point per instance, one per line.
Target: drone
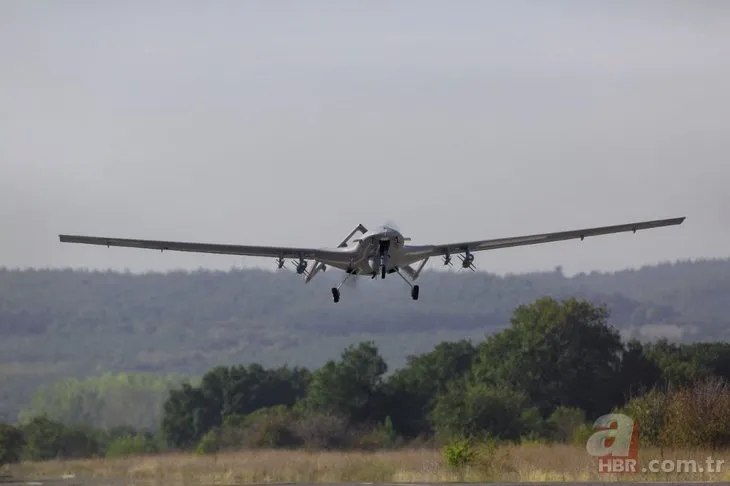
(379, 252)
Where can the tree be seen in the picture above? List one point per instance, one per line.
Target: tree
(190, 412)
(412, 390)
(638, 373)
(11, 444)
(351, 387)
(684, 364)
(47, 439)
(186, 417)
(105, 401)
(560, 353)
(477, 410)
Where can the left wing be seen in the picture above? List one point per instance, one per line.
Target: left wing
(415, 253)
(259, 251)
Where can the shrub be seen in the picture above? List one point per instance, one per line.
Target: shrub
(490, 460)
(11, 444)
(649, 412)
(47, 439)
(322, 431)
(581, 435)
(130, 445)
(564, 422)
(473, 409)
(698, 416)
(210, 443)
(269, 427)
(459, 453)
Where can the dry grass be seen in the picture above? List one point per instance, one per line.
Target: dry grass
(508, 463)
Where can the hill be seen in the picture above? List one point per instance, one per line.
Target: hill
(70, 323)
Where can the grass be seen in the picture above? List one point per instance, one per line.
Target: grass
(531, 462)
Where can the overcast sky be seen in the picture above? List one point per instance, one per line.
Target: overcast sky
(288, 123)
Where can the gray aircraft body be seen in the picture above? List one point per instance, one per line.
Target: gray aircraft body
(376, 252)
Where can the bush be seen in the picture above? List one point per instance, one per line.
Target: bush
(373, 437)
(491, 460)
(581, 435)
(564, 422)
(210, 443)
(130, 446)
(11, 444)
(699, 416)
(44, 439)
(278, 427)
(270, 427)
(322, 431)
(47, 439)
(459, 453)
(649, 412)
(475, 409)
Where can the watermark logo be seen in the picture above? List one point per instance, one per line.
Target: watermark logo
(615, 443)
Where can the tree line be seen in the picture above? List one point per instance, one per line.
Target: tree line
(546, 377)
(60, 324)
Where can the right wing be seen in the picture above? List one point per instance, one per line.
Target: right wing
(416, 253)
(245, 250)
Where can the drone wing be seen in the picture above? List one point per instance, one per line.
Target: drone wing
(416, 253)
(246, 250)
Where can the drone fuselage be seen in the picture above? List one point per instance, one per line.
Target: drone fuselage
(373, 250)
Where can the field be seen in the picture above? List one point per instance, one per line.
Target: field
(531, 462)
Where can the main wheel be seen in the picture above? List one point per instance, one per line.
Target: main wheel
(335, 294)
(414, 292)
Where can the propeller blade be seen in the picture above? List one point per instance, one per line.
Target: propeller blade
(392, 224)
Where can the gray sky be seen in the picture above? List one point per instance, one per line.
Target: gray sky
(287, 123)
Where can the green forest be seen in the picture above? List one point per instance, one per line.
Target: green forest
(555, 368)
(113, 352)
(58, 325)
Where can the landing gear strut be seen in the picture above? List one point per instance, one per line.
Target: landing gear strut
(383, 250)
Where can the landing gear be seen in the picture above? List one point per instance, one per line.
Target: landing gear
(336, 290)
(414, 288)
(383, 248)
(414, 292)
